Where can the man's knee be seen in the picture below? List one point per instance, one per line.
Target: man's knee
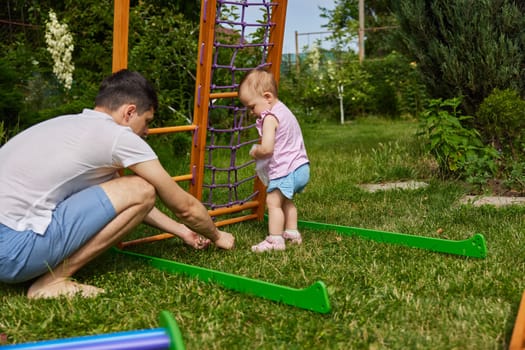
(130, 190)
(143, 190)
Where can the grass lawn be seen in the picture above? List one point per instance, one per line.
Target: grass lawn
(382, 296)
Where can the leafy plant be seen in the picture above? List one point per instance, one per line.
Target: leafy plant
(457, 149)
(515, 176)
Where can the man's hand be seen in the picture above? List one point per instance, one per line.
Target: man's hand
(225, 240)
(195, 240)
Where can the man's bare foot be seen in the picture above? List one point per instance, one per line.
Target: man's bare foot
(63, 287)
(195, 240)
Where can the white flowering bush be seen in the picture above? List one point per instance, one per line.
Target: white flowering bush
(60, 45)
(314, 57)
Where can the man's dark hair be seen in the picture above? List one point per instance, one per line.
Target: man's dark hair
(125, 87)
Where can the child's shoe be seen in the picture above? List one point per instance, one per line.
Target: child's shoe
(293, 236)
(270, 243)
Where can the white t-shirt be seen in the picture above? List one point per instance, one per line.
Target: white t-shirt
(50, 161)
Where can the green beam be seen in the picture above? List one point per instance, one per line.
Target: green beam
(313, 298)
(473, 247)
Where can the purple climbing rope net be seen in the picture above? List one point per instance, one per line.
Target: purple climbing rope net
(241, 43)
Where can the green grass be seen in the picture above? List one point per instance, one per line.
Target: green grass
(382, 296)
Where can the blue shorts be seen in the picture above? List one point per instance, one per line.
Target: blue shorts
(293, 183)
(25, 255)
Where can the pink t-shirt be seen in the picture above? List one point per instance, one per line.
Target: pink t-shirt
(289, 152)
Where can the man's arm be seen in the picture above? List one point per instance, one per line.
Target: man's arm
(183, 205)
(158, 219)
(165, 223)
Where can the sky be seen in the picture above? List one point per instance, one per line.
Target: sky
(304, 17)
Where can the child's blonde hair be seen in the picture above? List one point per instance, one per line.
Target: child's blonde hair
(260, 81)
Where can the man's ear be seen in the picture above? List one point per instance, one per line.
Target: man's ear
(128, 112)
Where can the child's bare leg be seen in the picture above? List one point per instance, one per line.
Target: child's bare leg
(276, 214)
(290, 215)
(275, 240)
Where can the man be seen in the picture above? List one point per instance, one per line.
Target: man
(62, 202)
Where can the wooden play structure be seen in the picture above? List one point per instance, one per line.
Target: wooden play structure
(222, 43)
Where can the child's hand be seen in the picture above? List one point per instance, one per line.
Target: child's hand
(252, 151)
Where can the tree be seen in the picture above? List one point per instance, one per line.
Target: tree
(465, 48)
(380, 25)
(316, 89)
(162, 45)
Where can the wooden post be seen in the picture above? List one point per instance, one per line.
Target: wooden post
(120, 34)
(297, 62)
(202, 95)
(274, 57)
(275, 51)
(361, 38)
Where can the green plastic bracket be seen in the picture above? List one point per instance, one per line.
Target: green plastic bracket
(475, 246)
(313, 298)
(167, 322)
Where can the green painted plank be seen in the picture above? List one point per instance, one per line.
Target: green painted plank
(473, 247)
(313, 298)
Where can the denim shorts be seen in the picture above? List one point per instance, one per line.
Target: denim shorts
(293, 183)
(25, 255)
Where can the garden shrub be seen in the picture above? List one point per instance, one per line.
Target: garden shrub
(398, 89)
(500, 121)
(458, 150)
(464, 48)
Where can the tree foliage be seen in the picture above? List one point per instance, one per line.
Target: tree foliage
(465, 47)
(162, 45)
(380, 23)
(314, 87)
(10, 97)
